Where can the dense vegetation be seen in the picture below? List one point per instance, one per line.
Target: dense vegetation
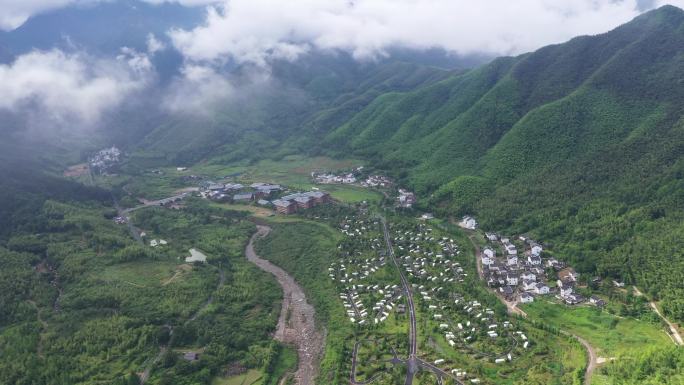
(661, 366)
(82, 302)
(579, 144)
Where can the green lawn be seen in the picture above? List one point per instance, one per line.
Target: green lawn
(293, 169)
(351, 194)
(143, 273)
(611, 335)
(250, 377)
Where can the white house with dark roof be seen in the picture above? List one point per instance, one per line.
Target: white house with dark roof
(564, 288)
(540, 288)
(526, 298)
(487, 257)
(536, 249)
(529, 284)
(534, 260)
(511, 260)
(511, 250)
(528, 275)
(512, 279)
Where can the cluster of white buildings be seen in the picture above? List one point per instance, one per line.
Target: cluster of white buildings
(377, 181)
(366, 300)
(105, 159)
(347, 178)
(406, 198)
(430, 263)
(523, 272)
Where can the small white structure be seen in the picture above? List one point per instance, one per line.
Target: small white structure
(536, 250)
(468, 222)
(196, 256)
(511, 279)
(488, 257)
(526, 298)
(512, 260)
(511, 250)
(541, 289)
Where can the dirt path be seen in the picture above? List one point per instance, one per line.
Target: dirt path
(674, 332)
(299, 329)
(44, 327)
(593, 358)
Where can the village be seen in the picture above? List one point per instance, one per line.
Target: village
(104, 160)
(411, 270)
(404, 267)
(275, 196)
(520, 269)
(403, 199)
(356, 176)
(432, 263)
(370, 291)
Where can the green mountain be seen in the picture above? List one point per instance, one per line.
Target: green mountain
(318, 90)
(580, 144)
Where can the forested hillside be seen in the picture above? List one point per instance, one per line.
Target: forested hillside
(256, 123)
(580, 144)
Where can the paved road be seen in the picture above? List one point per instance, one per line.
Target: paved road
(412, 362)
(441, 374)
(158, 202)
(135, 232)
(300, 328)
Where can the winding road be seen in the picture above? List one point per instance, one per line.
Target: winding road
(296, 324)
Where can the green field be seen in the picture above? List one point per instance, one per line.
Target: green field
(144, 273)
(295, 172)
(291, 170)
(250, 377)
(609, 334)
(286, 362)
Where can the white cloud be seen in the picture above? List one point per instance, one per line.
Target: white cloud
(14, 13)
(197, 91)
(187, 3)
(256, 31)
(66, 87)
(154, 45)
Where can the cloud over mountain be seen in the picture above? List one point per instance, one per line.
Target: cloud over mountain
(257, 31)
(71, 87)
(13, 13)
